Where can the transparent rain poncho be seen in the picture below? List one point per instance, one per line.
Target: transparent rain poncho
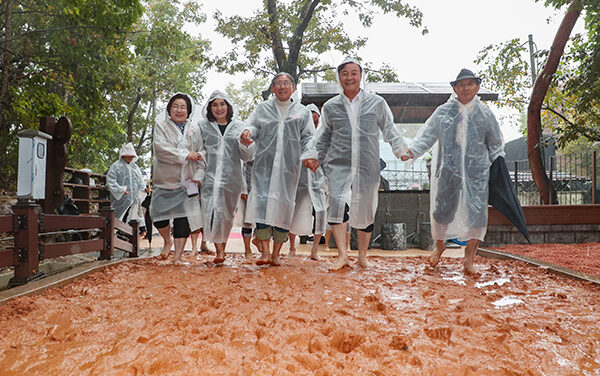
(468, 141)
(310, 195)
(241, 205)
(171, 170)
(348, 149)
(223, 181)
(122, 177)
(280, 142)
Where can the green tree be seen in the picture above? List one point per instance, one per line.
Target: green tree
(166, 59)
(60, 57)
(247, 96)
(563, 96)
(291, 36)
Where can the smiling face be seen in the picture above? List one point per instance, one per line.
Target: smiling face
(218, 107)
(283, 88)
(350, 77)
(466, 90)
(179, 111)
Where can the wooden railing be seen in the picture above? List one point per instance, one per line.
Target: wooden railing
(29, 226)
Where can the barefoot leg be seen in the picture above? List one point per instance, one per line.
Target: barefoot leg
(247, 250)
(165, 232)
(275, 256)
(363, 245)
(265, 249)
(220, 258)
(440, 246)
(292, 251)
(470, 252)
(314, 252)
(179, 244)
(339, 234)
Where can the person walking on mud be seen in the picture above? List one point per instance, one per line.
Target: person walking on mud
(347, 145)
(468, 141)
(282, 130)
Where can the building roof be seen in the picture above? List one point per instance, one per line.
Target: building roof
(411, 102)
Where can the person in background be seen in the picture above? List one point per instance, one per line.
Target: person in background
(126, 185)
(310, 198)
(468, 141)
(247, 228)
(178, 170)
(282, 130)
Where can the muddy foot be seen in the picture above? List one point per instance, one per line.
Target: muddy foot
(339, 263)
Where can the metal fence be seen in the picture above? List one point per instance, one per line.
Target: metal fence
(575, 178)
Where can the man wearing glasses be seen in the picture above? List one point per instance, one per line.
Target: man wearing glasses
(282, 130)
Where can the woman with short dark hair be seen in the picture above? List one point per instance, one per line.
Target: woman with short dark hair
(178, 170)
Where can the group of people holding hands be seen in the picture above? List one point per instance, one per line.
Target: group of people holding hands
(277, 165)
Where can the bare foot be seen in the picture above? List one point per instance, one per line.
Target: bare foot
(434, 259)
(164, 254)
(206, 251)
(363, 262)
(292, 252)
(315, 256)
(219, 260)
(262, 261)
(275, 261)
(469, 268)
(339, 263)
(327, 249)
(248, 254)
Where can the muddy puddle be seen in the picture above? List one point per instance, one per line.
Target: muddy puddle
(398, 318)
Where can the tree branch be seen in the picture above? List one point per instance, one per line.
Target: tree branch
(275, 33)
(295, 41)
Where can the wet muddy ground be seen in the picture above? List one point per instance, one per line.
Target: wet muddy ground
(400, 317)
(583, 257)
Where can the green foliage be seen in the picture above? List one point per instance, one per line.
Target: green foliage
(571, 105)
(385, 73)
(247, 96)
(291, 36)
(104, 64)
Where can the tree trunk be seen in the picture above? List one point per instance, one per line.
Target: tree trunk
(6, 58)
(540, 88)
(136, 104)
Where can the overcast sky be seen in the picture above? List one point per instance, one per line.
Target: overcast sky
(458, 29)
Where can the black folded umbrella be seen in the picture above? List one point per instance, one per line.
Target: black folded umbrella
(503, 196)
(147, 219)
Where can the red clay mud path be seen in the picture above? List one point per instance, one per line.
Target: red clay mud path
(399, 318)
(583, 257)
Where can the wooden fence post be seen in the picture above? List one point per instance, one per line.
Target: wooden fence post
(26, 246)
(108, 234)
(135, 238)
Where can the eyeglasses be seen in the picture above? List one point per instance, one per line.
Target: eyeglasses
(282, 83)
(176, 107)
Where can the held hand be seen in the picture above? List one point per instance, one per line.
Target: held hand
(193, 156)
(197, 182)
(246, 138)
(312, 164)
(407, 156)
(244, 197)
(126, 192)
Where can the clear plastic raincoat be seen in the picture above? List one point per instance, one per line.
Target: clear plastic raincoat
(121, 177)
(280, 142)
(223, 180)
(468, 141)
(241, 205)
(171, 170)
(348, 149)
(310, 195)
